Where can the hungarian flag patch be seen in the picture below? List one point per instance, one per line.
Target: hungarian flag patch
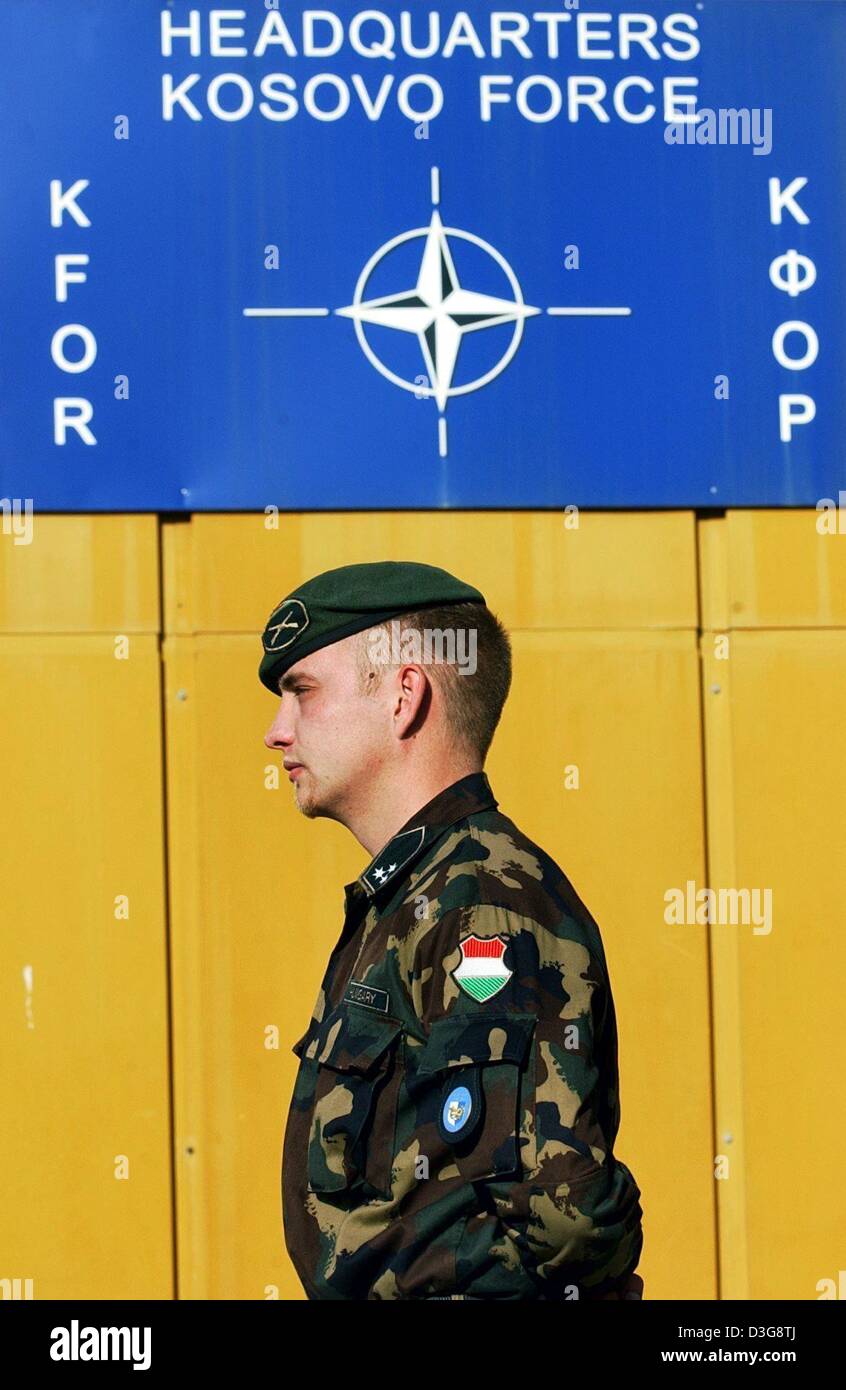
(482, 973)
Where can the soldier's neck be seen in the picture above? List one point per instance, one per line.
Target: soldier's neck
(397, 795)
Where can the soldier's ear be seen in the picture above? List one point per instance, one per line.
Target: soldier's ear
(412, 698)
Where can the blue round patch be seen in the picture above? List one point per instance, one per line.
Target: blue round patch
(456, 1110)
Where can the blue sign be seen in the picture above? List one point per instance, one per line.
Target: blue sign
(422, 256)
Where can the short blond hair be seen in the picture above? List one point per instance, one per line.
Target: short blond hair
(473, 701)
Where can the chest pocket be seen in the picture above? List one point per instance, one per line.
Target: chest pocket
(479, 1069)
(354, 1073)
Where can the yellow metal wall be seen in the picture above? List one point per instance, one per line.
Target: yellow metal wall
(85, 1142)
(686, 763)
(774, 720)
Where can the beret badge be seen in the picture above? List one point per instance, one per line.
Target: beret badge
(350, 599)
(285, 624)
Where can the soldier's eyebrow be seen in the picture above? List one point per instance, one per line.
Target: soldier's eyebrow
(291, 678)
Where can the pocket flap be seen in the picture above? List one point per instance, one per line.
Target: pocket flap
(350, 1038)
(465, 1039)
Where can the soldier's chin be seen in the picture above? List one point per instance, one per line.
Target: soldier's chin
(307, 803)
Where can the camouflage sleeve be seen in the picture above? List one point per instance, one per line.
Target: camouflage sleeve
(521, 1055)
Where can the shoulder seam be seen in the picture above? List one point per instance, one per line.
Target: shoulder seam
(485, 896)
(485, 900)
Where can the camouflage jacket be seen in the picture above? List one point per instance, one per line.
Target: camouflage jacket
(453, 1119)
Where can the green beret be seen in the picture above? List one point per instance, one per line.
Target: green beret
(347, 600)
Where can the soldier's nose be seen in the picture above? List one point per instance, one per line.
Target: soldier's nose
(277, 736)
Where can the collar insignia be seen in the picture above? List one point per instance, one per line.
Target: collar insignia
(391, 859)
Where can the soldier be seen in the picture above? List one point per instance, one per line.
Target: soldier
(452, 1125)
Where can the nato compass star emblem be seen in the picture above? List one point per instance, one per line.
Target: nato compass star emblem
(439, 310)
